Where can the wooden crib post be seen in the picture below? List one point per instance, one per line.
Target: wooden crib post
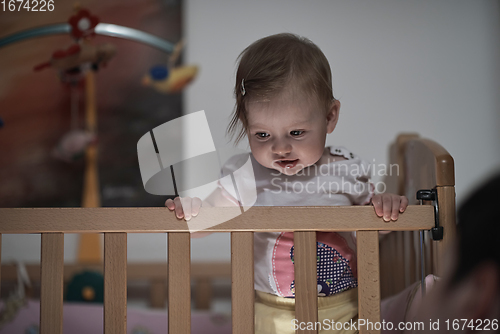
(306, 281)
(447, 219)
(115, 283)
(368, 280)
(0, 266)
(179, 283)
(242, 283)
(51, 281)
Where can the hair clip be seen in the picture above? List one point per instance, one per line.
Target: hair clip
(243, 91)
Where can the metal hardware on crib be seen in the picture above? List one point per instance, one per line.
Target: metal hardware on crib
(431, 195)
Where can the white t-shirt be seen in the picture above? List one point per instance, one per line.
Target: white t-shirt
(343, 182)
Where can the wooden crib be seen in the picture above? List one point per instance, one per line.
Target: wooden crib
(149, 277)
(425, 165)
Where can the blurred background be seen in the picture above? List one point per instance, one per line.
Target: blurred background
(36, 106)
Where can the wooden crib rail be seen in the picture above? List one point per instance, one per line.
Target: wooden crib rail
(115, 223)
(256, 219)
(428, 165)
(423, 164)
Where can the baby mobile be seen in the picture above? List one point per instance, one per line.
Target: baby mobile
(72, 64)
(170, 78)
(76, 65)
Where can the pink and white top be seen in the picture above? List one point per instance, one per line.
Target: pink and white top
(343, 182)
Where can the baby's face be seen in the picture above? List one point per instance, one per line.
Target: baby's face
(287, 134)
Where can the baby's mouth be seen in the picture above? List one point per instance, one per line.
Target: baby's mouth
(287, 163)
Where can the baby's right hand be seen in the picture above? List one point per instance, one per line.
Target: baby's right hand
(185, 207)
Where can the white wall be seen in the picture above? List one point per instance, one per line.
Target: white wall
(427, 66)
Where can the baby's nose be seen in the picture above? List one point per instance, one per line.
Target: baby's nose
(281, 148)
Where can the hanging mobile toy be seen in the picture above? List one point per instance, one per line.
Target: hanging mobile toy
(78, 55)
(83, 24)
(78, 58)
(72, 64)
(170, 79)
(73, 144)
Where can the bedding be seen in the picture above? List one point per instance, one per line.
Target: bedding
(85, 318)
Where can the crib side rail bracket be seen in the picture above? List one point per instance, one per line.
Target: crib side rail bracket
(431, 195)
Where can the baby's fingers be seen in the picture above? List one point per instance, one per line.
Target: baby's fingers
(179, 213)
(404, 204)
(395, 207)
(377, 205)
(399, 205)
(170, 204)
(196, 205)
(387, 207)
(186, 206)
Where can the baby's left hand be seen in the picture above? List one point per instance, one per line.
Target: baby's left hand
(389, 205)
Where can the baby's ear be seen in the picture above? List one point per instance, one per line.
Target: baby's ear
(332, 116)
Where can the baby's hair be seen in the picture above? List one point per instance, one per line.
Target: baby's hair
(274, 63)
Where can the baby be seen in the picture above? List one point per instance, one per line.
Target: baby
(285, 106)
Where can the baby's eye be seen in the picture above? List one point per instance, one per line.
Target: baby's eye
(296, 133)
(262, 135)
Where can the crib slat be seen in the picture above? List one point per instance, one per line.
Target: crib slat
(179, 283)
(447, 219)
(399, 279)
(417, 258)
(242, 287)
(51, 293)
(0, 265)
(306, 293)
(392, 264)
(115, 283)
(368, 280)
(410, 258)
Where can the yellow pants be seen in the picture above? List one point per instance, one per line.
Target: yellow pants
(276, 315)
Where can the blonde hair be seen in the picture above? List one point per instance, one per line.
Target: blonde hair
(276, 62)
